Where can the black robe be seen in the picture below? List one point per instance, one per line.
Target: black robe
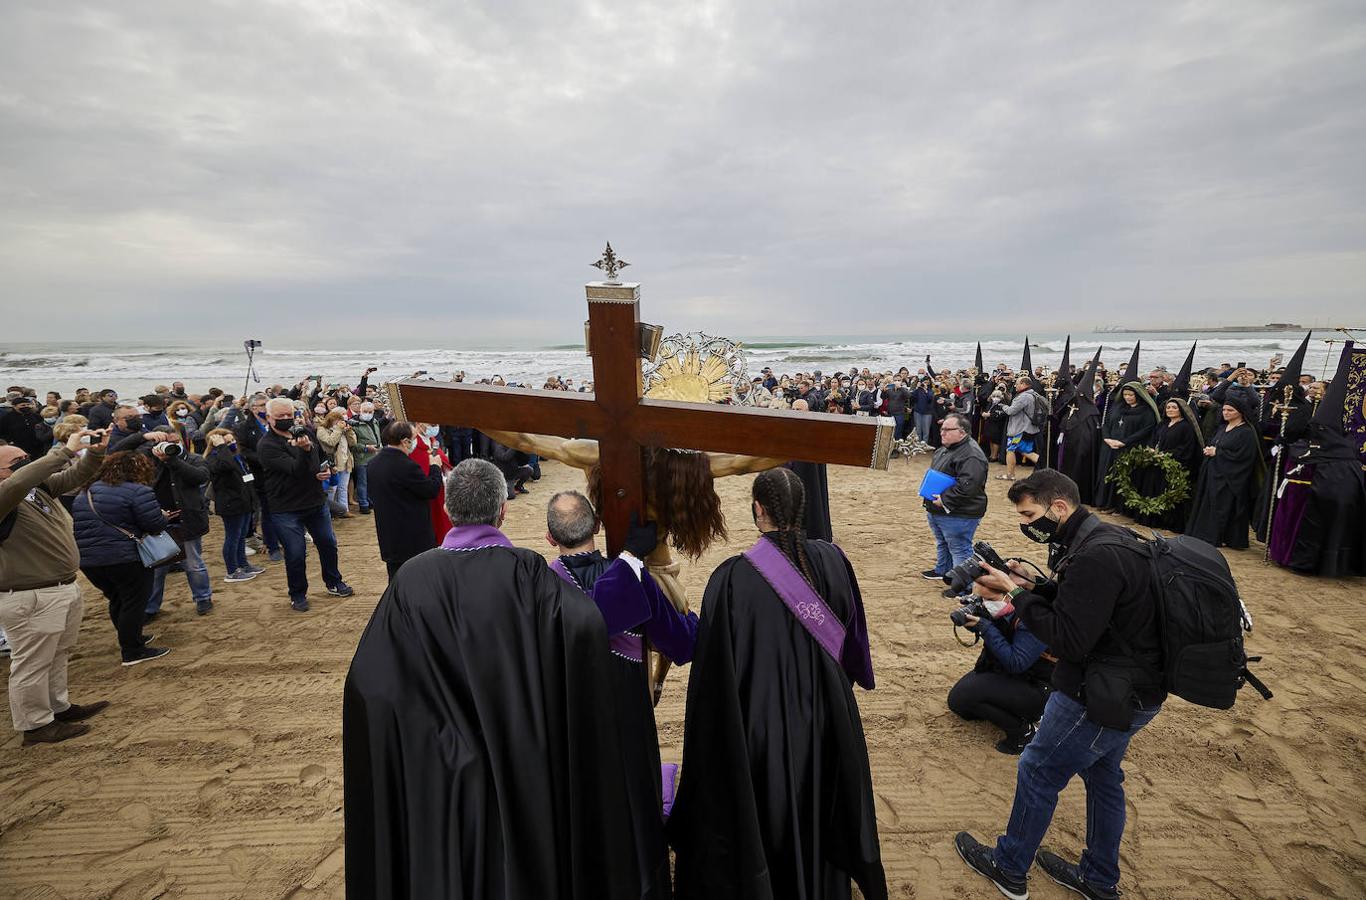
(1330, 534)
(480, 760)
(1080, 437)
(816, 516)
(1179, 441)
(1221, 510)
(1296, 425)
(776, 798)
(1133, 426)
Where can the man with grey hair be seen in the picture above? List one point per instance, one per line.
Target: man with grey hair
(956, 509)
(636, 610)
(480, 746)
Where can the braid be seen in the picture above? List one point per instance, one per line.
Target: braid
(781, 493)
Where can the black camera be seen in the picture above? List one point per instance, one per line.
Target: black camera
(973, 607)
(960, 577)
(169, 449)
(298, 431)
(251, 344)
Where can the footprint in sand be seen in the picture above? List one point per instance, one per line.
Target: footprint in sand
(146, 884)
(240, 862)
(311, 776)
(138, 815)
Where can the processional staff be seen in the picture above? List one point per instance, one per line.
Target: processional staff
(1284, 409)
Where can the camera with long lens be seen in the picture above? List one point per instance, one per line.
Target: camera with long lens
(169, 449)
(298, 431)
(960, 577)
(974, 606)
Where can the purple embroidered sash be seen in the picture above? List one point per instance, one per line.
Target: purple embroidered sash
(626, 645)
(799, 597)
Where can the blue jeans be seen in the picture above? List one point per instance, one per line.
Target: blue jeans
(235, 530)
(900, 420)
(923, 421)
(1070, 744)
(196, 573)
(360, 478)
(263, 518)
(340, 494)
(290, 527)
(952, 540)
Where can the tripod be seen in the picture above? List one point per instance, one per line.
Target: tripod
(250, 345)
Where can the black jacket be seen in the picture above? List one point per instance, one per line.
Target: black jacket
(291, 474)
(231, 495)
(27, 431)
(1099, 591)
(248, 432)
(400, 496)
(180, 485)
(966, 462)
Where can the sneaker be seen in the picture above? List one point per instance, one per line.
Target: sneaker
(308, 537)
(1067, 875)
(249, 552)
(255, 570)
(276, 556)
(340, 589)
(931, 575)
(147, 617)
(978, 857)
(148, 653)
(75, 712)
(203, 609)
(299, 605)
(1014, 742)
(53, 732)
(253, 542)
(240, 575)
(365, 510)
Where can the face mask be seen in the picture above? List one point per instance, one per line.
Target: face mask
(320, 410)
(261, 414)
(433, 431)
(18, 464)
(51, 420)
(132, 423)
(344, 395)
(142, 410)
(282, 424)
(232, 447)
(366, 417)
(1042, 530)
(998, 608)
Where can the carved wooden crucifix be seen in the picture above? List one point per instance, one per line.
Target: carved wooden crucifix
(623, 422)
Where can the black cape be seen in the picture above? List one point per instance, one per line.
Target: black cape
(1179, 441)
(1330, 539)
(816, 516)
(776, 799)
(1080, 437)
(1131, 425)
(1296, 425)
(635, 713)
(1221, 510)
(479, 758)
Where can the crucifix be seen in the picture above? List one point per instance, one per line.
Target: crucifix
(612, 426)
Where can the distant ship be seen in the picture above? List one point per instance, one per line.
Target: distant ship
(1214, 329)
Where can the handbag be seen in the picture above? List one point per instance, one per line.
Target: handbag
(154, 550)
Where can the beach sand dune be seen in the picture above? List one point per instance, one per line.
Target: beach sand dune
(217, 772)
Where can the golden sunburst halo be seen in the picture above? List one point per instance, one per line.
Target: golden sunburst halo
(696, 368)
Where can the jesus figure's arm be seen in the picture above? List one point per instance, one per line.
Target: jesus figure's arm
(723, 464)
(578, 452)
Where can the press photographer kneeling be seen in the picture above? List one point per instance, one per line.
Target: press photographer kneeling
(1010, 682)
(1099, 616)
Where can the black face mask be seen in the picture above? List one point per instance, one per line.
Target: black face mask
(1043, 530)
(19, 464)
(132, 423)
(282, 424)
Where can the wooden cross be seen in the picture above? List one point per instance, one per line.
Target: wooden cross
(623, 422)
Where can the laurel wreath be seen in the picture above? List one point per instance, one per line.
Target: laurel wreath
(1136, 459)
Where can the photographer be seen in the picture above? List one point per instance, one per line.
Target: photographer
(1010, 682)
(1099, 616)
(234, 499)
(955, 513)
(179, 487)
(294, 473)
(249, 430)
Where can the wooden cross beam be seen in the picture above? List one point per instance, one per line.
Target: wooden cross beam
(623, 422)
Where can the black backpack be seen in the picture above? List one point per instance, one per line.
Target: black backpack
(1038, 412)
(1200, 616)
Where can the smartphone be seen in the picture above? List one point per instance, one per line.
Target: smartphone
(1241, 365)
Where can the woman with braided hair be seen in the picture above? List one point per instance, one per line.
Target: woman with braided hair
(776, 799)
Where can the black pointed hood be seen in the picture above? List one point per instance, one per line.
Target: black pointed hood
(1086, 384)
(1065, 367)
(977, 363)
(1293, 370)
(1332, 411)
(1028, 368)
(1130, 372)
(1181, 387)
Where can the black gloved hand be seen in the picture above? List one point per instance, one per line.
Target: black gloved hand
(641, 540)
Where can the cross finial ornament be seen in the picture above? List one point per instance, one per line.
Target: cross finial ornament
(610, 265)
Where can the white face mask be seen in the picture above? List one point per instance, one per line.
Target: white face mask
(142, 410)
(433, 431)
(366, 417)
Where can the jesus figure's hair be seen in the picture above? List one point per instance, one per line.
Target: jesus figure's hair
(682, 493)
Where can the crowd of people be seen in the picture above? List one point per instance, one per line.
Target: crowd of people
(123, 491)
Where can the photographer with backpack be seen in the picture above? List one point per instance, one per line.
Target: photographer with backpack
(1100, 616)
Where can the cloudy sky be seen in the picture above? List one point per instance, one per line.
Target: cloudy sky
(392, 168)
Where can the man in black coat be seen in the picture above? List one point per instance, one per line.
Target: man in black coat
(401, 497)
(249, 430)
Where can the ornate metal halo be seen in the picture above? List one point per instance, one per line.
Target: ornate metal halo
(698, 368)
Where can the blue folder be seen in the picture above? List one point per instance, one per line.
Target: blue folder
(935, 482)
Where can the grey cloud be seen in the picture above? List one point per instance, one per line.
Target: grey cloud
(903, 165)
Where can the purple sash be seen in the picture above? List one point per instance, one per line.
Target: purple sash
(799, 597)
(626, 645)
(474, 537)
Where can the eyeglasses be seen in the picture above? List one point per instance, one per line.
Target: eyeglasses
(942, 429)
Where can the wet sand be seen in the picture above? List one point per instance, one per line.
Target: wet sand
(217, 771)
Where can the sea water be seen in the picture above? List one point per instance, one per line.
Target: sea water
(135, 367)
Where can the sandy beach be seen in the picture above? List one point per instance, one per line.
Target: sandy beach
(217, 772)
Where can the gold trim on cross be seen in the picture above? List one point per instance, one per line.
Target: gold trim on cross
(610, 264)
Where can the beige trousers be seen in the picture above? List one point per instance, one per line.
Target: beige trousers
(42, 627)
